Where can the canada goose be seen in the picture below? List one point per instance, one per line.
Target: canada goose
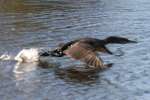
(85, 49)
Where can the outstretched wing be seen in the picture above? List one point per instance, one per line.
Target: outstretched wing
(84, 52)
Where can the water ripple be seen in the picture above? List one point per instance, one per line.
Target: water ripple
(38, 23)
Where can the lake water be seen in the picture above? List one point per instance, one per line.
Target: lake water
(46, 23)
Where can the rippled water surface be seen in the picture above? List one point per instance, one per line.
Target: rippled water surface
(46, 23)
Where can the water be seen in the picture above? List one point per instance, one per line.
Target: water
(46, 23)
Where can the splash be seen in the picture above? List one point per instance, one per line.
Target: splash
(6, 56)
(29, 55)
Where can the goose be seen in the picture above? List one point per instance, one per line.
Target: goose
(86, 49)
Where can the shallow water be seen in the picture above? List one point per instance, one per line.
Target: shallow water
(46, 23)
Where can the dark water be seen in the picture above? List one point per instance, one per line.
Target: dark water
(46, 23)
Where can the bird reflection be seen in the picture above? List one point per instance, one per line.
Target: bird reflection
(79, 74)
(74, 73)
(28, 67)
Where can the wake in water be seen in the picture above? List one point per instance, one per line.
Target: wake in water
(28, 55)
(28, 59)
(6, 56)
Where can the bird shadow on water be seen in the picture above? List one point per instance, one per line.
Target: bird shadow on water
(79, 74)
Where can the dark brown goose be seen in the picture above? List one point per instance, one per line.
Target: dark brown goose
(85, 49)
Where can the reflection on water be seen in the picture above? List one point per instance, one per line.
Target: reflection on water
(24, 67)
(28, 67)
(46, 23)
(77, 74)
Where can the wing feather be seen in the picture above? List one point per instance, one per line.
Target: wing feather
(85, 53)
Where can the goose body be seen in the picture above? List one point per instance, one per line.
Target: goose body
(86, 49)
